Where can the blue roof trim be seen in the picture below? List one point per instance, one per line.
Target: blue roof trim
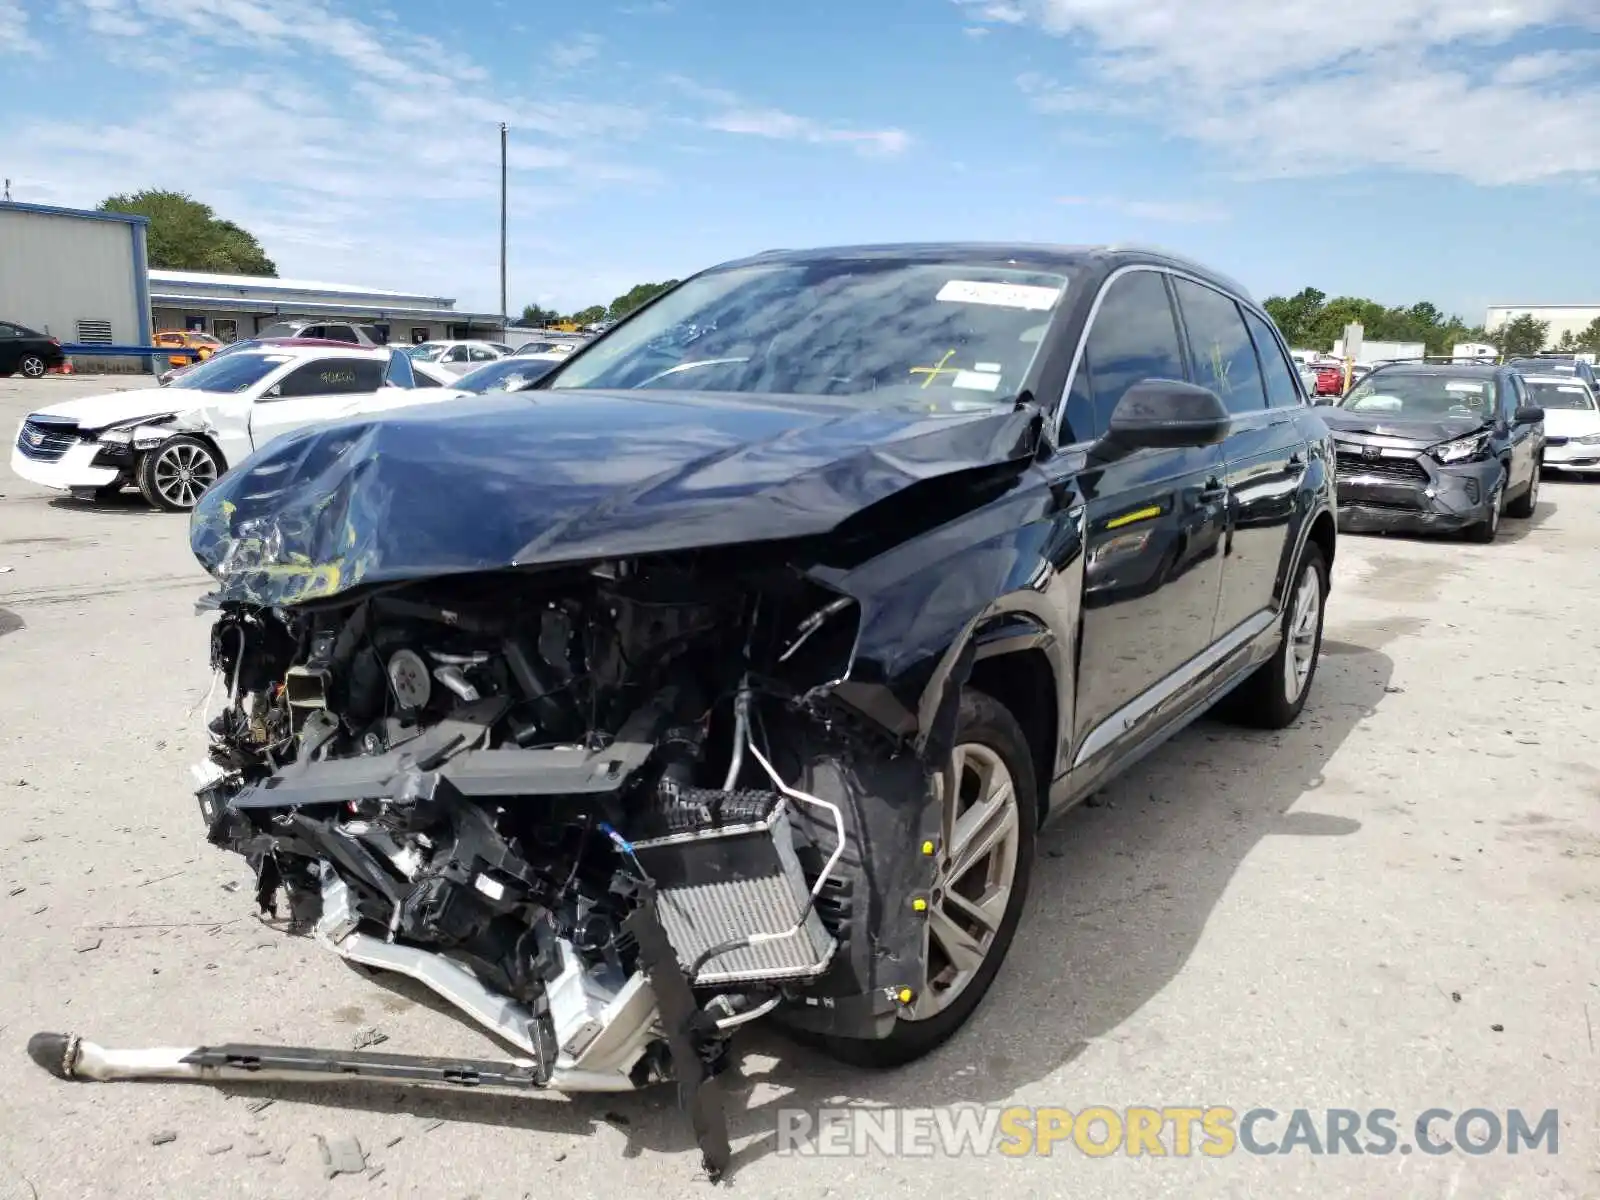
(51, 210)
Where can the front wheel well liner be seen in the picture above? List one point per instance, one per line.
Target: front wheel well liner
(1323, 533)
(1025, 683)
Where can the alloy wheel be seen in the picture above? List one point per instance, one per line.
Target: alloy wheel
(982, 839)
(32, 366)
(1302, 634)
(183, 473)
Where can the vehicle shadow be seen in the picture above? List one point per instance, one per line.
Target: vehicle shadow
(127, 503)
(1514, 529)
(1122, 892)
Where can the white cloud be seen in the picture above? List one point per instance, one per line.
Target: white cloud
(573, 53)
(14, 36)
(732, 114)
(1305, 87)
(351, 145)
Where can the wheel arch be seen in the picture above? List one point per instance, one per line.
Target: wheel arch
(1023, 679)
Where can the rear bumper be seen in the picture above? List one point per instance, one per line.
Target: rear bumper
(1438, 500)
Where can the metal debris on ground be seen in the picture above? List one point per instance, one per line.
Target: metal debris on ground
(33, 837)
(163, 1137)
(371, 1036)
(341, 1155)
(1498, 1028)
(431, 1125)
(17, 891)
(258, 1152)
(256, 1106)
(394, 1141)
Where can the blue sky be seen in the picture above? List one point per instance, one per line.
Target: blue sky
(1401, 149)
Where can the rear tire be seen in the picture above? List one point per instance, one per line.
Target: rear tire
(979, 898)
(1524, 505)
(1273, 696)
(32, 366)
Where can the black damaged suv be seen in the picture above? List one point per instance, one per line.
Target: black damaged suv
(1436, 447)
(931, 541)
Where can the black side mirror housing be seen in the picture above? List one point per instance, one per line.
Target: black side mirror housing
(1529, 414)
(1164, 414)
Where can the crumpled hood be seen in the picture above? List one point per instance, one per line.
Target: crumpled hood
(1422, 431)
(548, 477)
(96, 412)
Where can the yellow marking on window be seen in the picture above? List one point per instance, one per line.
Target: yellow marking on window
(1139, 514)
(934, 372)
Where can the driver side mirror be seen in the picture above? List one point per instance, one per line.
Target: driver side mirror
(1164, 414)
(273, 392)
(1528, 414)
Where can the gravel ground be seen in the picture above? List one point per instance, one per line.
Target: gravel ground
(1392, 905)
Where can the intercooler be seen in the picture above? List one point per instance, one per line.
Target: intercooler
(733, 898)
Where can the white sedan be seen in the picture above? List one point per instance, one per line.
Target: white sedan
(458, 357)
(1571, 422)
(173, 442)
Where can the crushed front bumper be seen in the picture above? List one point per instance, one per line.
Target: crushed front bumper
(1412, 494)
(74, 469)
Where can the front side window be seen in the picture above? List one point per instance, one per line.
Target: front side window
(1283, 388)
(481, 354)
(882, 331)
(1416, 394)
(1134, 337)
(1220, 348)
(457, 354)
(332, 377)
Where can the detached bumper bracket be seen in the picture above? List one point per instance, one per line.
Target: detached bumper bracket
(699, 1091)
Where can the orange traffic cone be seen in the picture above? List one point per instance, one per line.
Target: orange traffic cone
(66, 367)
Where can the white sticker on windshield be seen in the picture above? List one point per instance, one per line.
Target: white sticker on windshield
(980, 381)
(1456, 385)
(1002, 295)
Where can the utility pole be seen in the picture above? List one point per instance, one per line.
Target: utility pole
(504, 315)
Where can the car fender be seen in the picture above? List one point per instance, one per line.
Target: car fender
(1005, 577)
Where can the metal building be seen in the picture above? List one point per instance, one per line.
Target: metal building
(239, 306)
(1562, 318)
(77, 275)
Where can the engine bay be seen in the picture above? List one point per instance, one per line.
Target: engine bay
(554, 797)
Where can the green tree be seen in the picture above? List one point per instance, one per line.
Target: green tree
(1589, 339)
(1567, 342)
(1296, 315)
(1521, 336)
(186, 235)
(535, 316)
(588, 316)
(638, 294)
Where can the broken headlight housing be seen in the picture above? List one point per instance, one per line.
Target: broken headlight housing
(1591, 439)
(1467, 449)
(144, 433)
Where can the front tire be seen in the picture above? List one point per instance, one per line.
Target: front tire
(1274, 695)
(174, 475)
(980, 889)
(1486, 530)
(31, 366)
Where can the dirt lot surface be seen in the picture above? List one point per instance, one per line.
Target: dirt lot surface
(1396, 904)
